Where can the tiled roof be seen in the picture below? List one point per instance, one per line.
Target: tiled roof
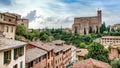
(42, 45)
(32, 54)
(81, 52)
(66, 47)
(56, 48)
(91, 63)
(9, 43)
(58, 42)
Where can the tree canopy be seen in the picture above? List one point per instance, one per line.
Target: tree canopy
(98, 52)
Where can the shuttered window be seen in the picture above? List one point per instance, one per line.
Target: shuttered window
(18, 52)
(7, 56)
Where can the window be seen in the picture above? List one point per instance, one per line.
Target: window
(7, 56)
(30, 65)
(9, 20)
(39, 59)
(48, 55)
(7, 28)
(11, 28)
(36, 61)
(1, 16)
(15, 66)
(21, 64)
(43, 57)
(18, 52)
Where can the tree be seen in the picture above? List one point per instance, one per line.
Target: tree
(103, 27)
(118, 29)
(116, 63)
(97, 31)
(112, 30)
(98, 52)
(108, 29)
(84, 31)
(90, 30)
(82, 45)
(20, 30)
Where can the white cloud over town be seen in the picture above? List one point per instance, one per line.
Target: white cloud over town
(57, 13)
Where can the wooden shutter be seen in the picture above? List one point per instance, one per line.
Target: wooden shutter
(5, 58)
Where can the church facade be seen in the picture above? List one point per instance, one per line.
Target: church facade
(82, 25)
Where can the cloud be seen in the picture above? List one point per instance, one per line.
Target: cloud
(31, 15)
(6, 2)
(57, 13)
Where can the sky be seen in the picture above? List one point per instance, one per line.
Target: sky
(61, 13)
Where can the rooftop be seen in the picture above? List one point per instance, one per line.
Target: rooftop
(32, 54)
(81, 52)
(91, 63)
(9, 43)
(42, 45)
(58, 42)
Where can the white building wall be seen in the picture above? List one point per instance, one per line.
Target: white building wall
(13, 62)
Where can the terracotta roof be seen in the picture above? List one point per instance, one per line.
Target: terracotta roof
(111, 37)
(9, 43)
(5, 22)
(81, 52)
(32, 54)
(65, 47)
(91, 63)
(58, 42)
(42, 45)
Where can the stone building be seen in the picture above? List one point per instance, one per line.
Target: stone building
(17, 19)
(49, 55)
(12, 53)
(115, 27)
(83, 24)
(109, 40)
(7, 25)
(114, 52)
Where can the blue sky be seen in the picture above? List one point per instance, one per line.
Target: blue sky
(57, 13)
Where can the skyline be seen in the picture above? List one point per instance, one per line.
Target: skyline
(57, 13)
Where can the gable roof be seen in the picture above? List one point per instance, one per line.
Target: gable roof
(91, 63)
(41, 45)
(32, 54)
(9, 43)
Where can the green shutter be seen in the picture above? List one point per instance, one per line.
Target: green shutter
(5, 58)
(14, 53)
(10, 55)
(19, 51)
(21, 64)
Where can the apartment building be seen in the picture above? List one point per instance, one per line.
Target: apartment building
(58, 55)
(114, 52)
(108, 40)
(73, 54)
(23, 22)
(12, 53)
(36, 58)
(66, 52)
(7, 26)
(50, 52)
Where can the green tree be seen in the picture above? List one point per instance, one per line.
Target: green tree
(82, 45)
(108, 28)
(98, 52)
(112, 30)
(116, 63)
(103, 27)
(97, 31)
(118, 29)
(44, 37)
(84, 31)
(20, 30)
(90, 30)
